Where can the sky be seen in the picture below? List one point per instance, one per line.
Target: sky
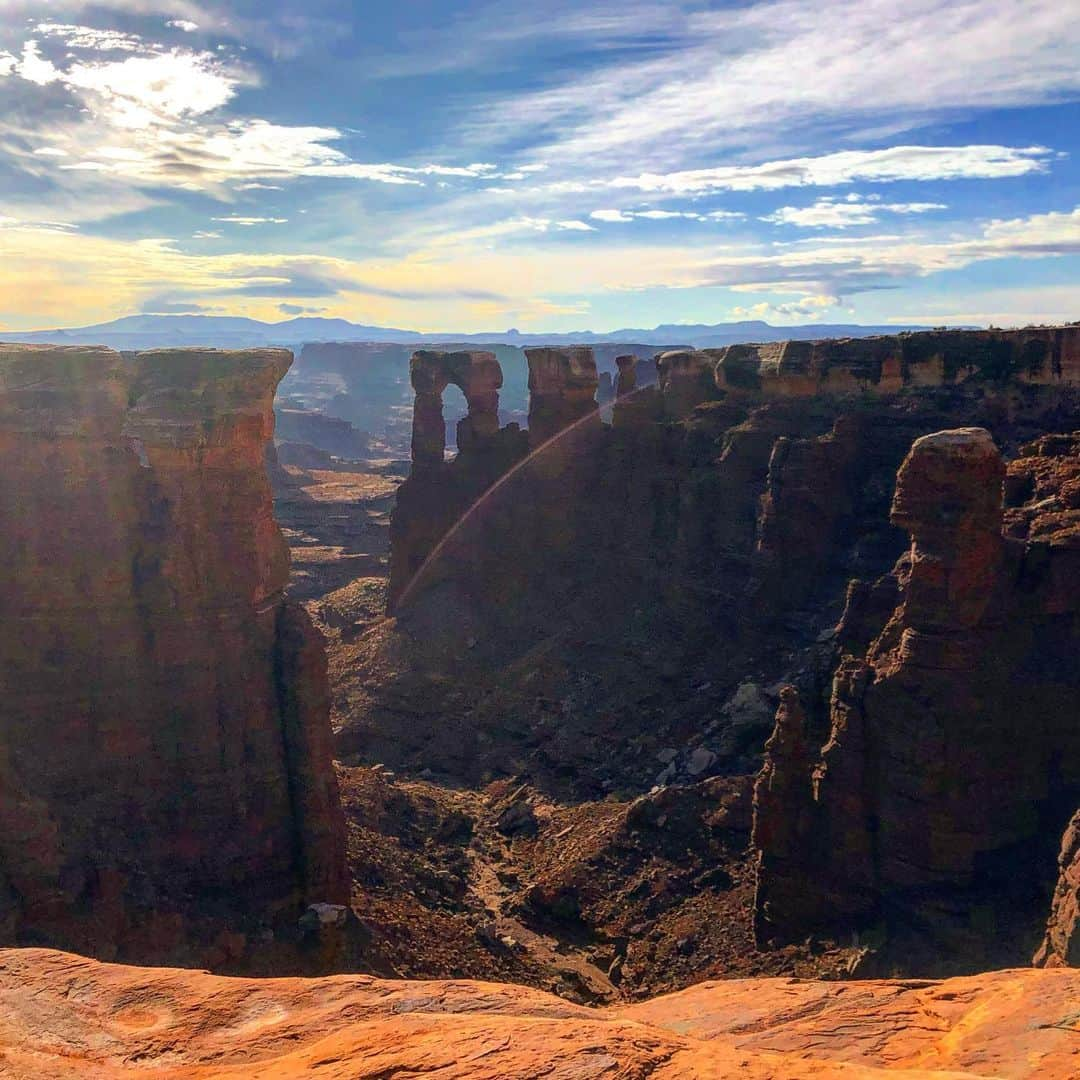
(574, 164)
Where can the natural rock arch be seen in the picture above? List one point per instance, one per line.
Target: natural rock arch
(479, 377)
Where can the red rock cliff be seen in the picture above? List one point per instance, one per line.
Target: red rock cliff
(633, 595)
(165, 766)
(932, 812)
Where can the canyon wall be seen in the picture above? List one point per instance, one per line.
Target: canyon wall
(165, 771)
(714, 417)
(931, 811)
(608, 607)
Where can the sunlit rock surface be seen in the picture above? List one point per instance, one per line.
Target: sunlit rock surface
(63, 1017)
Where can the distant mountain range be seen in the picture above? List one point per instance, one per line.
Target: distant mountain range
(222, 331)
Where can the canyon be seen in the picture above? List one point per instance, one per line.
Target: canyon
(753, 664)
(596, 614)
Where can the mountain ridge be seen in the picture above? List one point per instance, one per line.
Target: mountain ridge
(153, 331)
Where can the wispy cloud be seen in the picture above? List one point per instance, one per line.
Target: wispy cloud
(837, 213)
(843, 266)
(586, 155)
(624, 216)
(239, 219)
(846, 167)
(743, 76)
(73, 271)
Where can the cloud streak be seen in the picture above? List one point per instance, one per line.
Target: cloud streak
(740, 77)
(833, 212)
(918, 163)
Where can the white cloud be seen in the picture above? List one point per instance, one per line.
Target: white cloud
(240, 219)
(849, 166)
(574, 226)
(8, 63)
(33, 67)
(832, 212)
(764, 73)
(623, 216)
(205, 234)
(142, 91)
(87, 37)
(808, 307)
(666, 215)
(154, 118)
(186, 25)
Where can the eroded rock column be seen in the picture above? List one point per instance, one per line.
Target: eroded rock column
(562, 390)
(686, 380)
(626, 379)
(427, 372)
(948, 497)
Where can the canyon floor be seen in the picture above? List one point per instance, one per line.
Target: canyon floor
(599, 900)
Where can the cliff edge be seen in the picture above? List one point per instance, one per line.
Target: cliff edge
(64, 1017)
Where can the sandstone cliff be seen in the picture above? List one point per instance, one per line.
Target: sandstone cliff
(165, 776)
(931, 814)
(64, 1017)
(599, 609)
(1061, 945)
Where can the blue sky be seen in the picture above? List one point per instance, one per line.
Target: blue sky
(469, 166)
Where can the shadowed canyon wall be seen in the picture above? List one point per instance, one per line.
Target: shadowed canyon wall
(584, 604)
(933, 805)
(165, 768)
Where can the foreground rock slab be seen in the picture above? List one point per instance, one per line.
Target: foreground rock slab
(65, 1016)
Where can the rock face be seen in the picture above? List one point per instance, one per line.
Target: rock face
(164, 759)
(952, 757)
(562, 390)
(438, 491)
(66, 1017)
(592, 601)
(300, 427)
(885, 365)
(1061, 946)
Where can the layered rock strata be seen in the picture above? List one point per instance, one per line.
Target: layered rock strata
(165, 769)
(1047, 356)
(593, 612)
(930, 813)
